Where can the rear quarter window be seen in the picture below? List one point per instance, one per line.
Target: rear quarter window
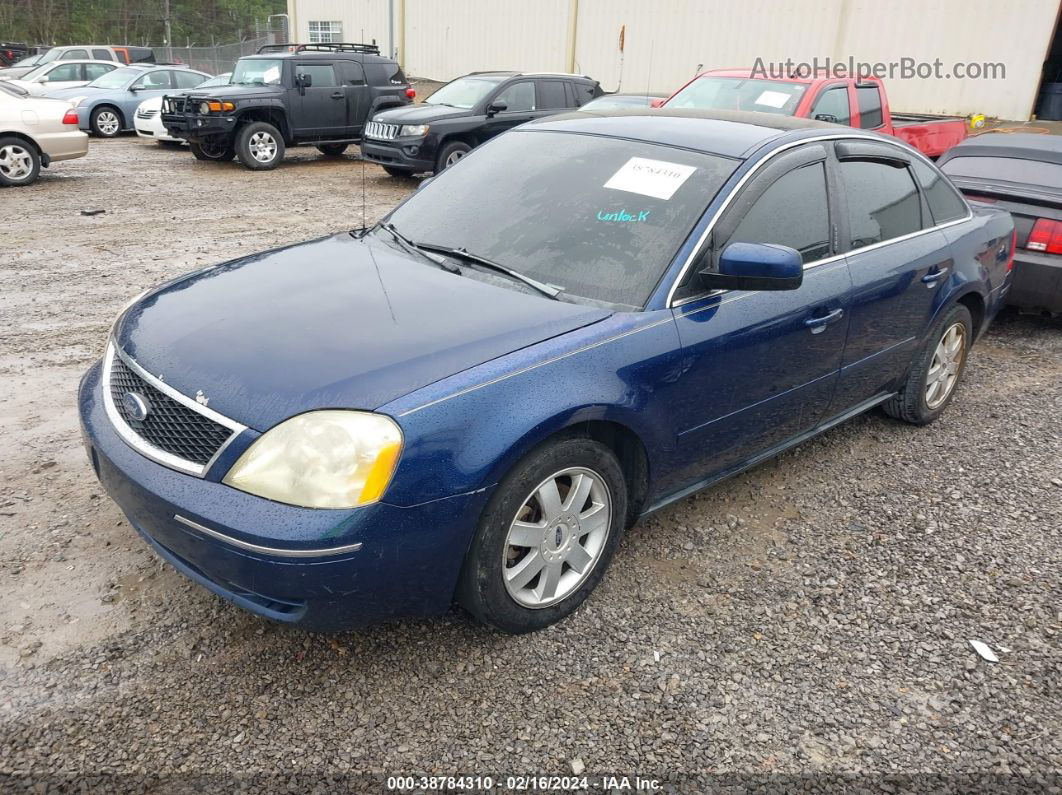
(869, 99)
(945, 204)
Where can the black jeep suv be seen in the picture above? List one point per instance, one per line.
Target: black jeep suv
(466, 112)
(288, 95)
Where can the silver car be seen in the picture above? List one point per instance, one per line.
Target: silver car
(63, 74)
(35, 132)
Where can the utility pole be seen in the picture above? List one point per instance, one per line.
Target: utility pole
(166, 22)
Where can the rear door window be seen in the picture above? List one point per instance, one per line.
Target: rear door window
(102, 55)
(833, 103)
(882, 202)
(94, 70)
(551, 95)
(869, 99)
(188, 79)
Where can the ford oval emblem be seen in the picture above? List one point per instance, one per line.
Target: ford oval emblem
(136, 406)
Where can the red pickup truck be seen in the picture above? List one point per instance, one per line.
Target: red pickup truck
(855, 102)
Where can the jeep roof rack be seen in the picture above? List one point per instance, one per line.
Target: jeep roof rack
(332, 46)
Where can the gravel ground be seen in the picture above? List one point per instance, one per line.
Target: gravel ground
(803, 622)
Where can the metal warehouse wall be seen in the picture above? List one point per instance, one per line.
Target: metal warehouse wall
(667, 39)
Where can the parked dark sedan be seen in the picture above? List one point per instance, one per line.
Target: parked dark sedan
(1021, 173)
(466, 112)
(583, 321)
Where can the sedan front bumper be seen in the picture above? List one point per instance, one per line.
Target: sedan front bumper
(320, 569)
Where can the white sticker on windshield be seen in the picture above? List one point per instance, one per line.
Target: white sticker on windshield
(271, 74)
(772, 99)
(656, 178)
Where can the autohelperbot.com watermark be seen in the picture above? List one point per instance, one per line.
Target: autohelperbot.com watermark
(904, 68)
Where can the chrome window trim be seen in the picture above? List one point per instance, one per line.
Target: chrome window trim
(262, 550)
(670, 302)
(141, 445)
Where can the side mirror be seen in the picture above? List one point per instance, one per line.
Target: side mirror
(497, 106)
(657, 103)
(826, 117)
(755, 266)
(303, 81)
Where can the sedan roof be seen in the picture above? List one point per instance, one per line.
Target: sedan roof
(1024, 146)
(728, 133)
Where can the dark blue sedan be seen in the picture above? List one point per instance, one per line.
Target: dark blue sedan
(583, 321)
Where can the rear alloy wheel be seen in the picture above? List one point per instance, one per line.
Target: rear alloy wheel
(936, 370)
(105, 122)
(218, 151)
(450, 154)
(546, 537)
(333, 150)
(260, 146)
(19, 163)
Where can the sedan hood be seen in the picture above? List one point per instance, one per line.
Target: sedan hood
(419, 114)
(337, 322)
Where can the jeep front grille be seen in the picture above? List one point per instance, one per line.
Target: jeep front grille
(376, 129)
(176, 430)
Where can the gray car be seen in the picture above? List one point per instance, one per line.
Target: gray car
(106, 107)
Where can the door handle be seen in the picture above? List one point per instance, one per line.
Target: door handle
(935, 275)
(818, 323)
(338, 95)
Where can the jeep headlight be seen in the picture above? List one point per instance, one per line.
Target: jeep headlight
(321, 459)
(204, 108)
(414, 129)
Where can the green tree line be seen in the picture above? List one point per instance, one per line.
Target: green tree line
(201, 22)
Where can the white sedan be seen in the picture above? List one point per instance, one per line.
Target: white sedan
(62, 74)
(148, 118)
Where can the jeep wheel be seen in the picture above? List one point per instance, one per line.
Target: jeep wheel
(105, 122)
(260, 146)
(450, 154)
(333, 150)
(211, 150)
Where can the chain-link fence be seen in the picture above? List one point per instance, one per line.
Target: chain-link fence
(219, 58)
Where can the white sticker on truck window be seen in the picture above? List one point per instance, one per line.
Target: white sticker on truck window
(271, 74)
(656, 178)
(772, 99)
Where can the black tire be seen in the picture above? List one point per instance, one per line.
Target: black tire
(22, 162)
(256, 140)
(454, 151)
(482, 589)
(170, 144)
(401, 173)
(212, 151)
(333, 150)
(912, 404)
(106, 121)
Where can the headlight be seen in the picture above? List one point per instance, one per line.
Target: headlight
(204, 108)
(322, 459)
(414, 129)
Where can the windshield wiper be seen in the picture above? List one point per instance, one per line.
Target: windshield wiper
(461, 253)
(414, 248)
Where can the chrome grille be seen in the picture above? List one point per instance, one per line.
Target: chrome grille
(187, 438)
(146, 114)
(376, 129)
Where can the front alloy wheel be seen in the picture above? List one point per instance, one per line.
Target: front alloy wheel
(260, 146)
(546, 537)
(105, 122)
(557, 537)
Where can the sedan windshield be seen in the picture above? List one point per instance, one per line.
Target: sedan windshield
(595, 217)
(36, 72)
(116, 79)
(738, 93)
(257, 71)
(30, 61)
(464, 92)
